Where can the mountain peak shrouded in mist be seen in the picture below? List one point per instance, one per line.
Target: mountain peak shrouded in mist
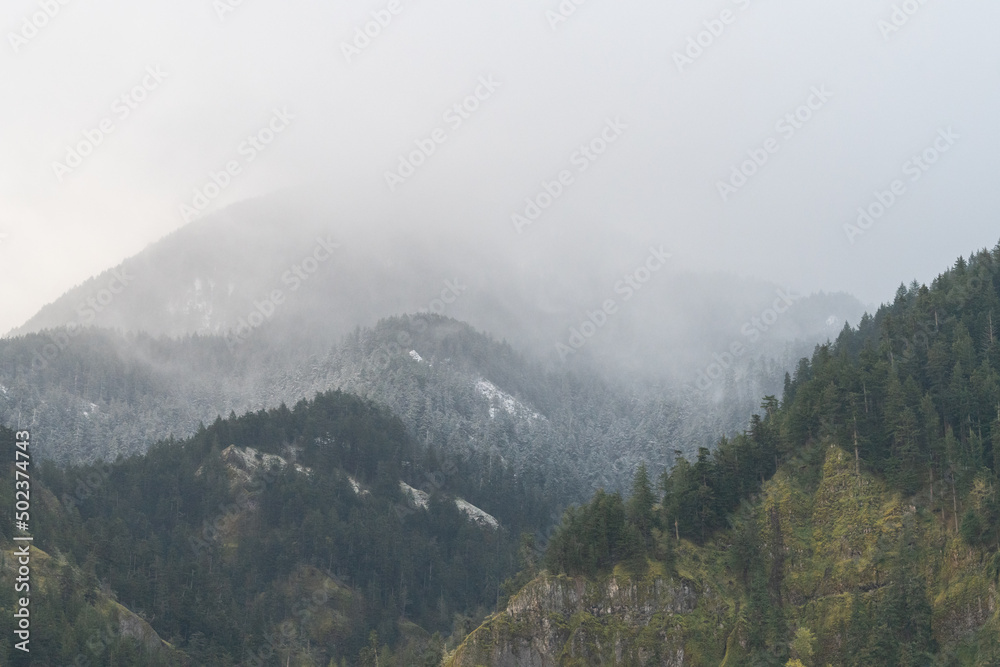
(274, 265)
(867, 491)
(505, 334)
(641, 119)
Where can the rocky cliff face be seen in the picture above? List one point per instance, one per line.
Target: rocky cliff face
(826, 545)
(621, 620)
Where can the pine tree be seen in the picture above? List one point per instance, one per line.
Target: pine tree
(640, 505)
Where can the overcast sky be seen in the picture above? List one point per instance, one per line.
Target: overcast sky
(182, 84)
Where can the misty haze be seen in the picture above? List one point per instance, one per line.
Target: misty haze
(552, 333)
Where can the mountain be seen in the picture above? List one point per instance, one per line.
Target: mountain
(400, 504)
(297, 274)
(293, 532)
(457, 390)
(270, 302)
(854, 523)
(848, 572)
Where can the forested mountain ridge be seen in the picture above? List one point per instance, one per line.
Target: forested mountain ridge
(568, 430)
(854, 523)
(843, 572)
(283, 533)
(270, 301)
(106, 393)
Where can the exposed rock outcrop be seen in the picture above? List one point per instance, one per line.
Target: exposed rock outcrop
(572, 621)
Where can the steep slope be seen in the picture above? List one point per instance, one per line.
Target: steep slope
(100, 629)
(835, 562)
(572, 620)
(74, 620)
(293, 540)
(855, 523)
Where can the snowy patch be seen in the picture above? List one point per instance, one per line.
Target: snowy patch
(415, 497)
(416, 357)
(244, 462)
(500, 399)
(3, 389)
(476, 515)
(421, 500)
(250, 459)
(358, 489)
(197, 301)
